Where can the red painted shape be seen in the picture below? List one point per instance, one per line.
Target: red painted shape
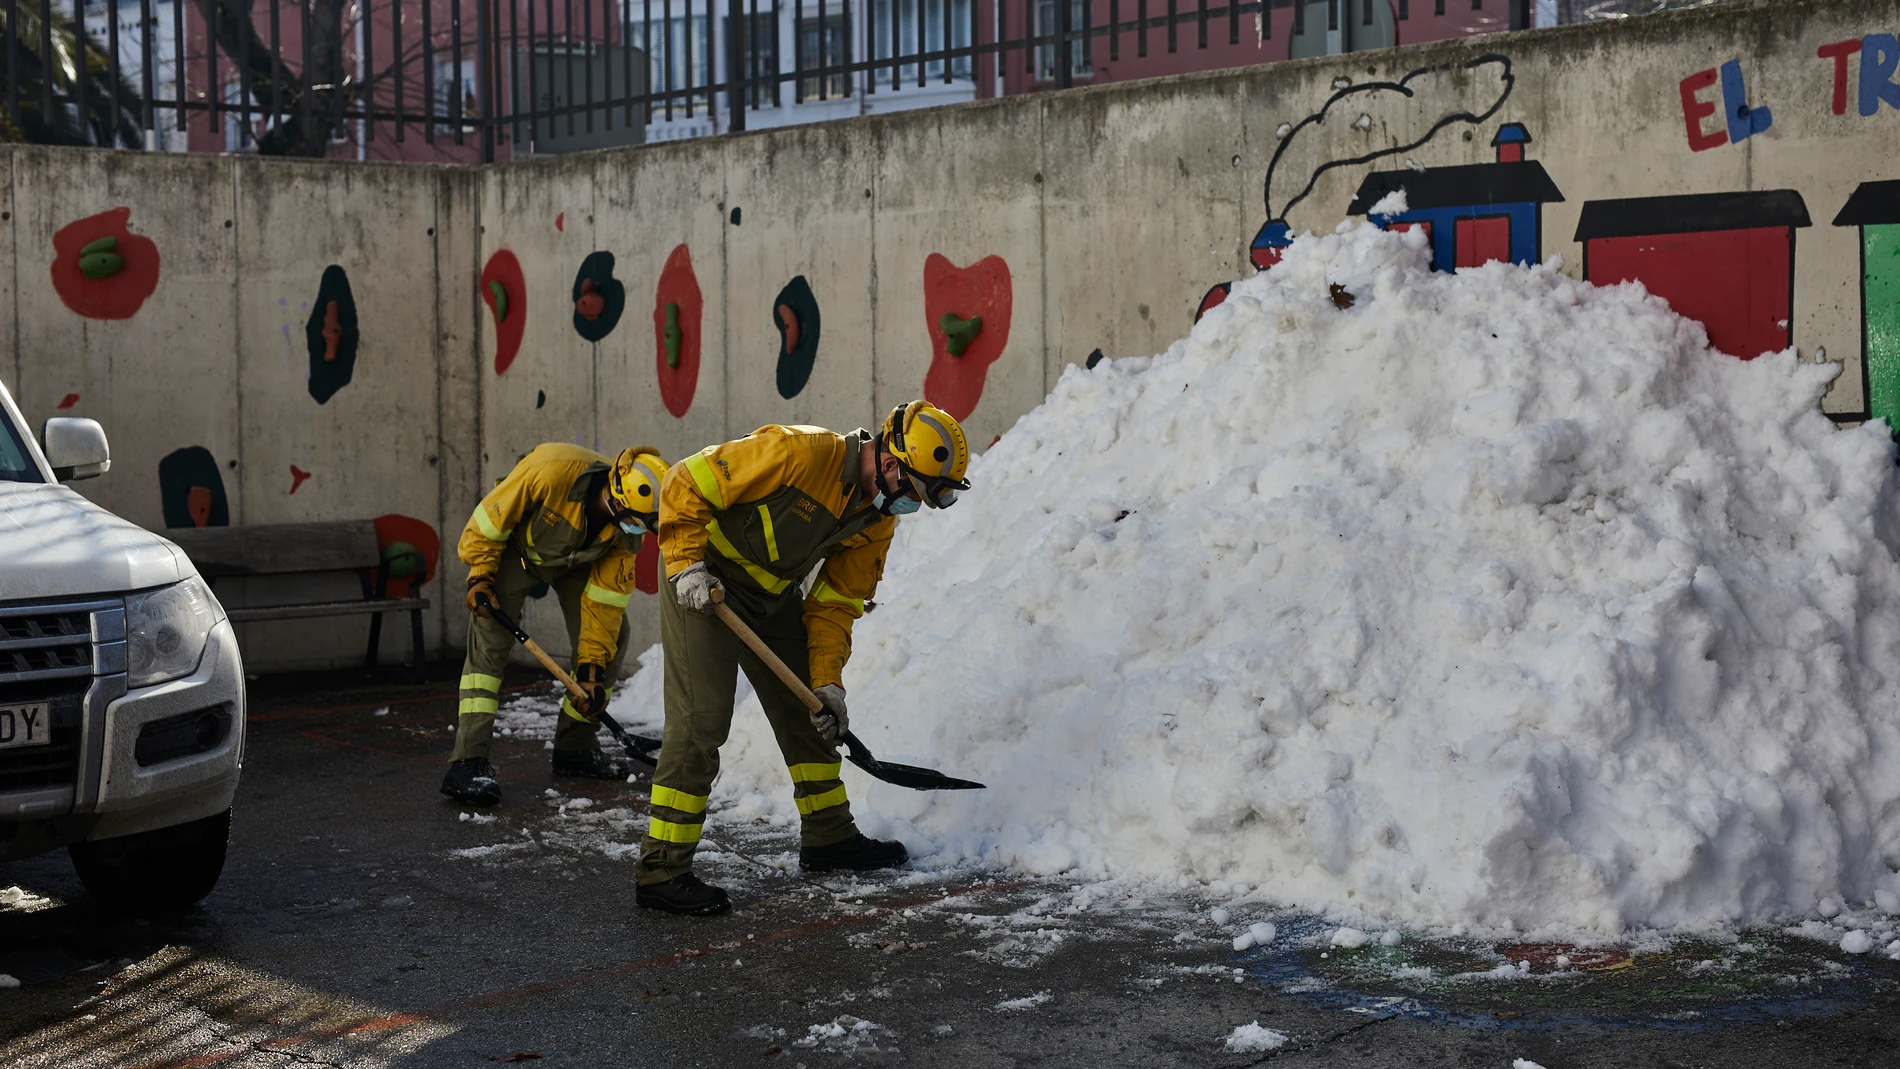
(1423, 224)
(505, 269)
(1838, 52)
(1213, 299)
(198, 503)
(1694, 111)
(69, 400)
(1511, 153)
(118, 296)
(297, 476)
(1265, 257)
(678, 285)
(1481, 240)
(332, 332)
(955, 383)
(646, 566)
(395, 527)
(560, 222)
(1545, 955)
(1736, 283)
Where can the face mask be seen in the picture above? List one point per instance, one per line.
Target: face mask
(902, 505)
(632, 528)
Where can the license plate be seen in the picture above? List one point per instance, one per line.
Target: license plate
(25, 725)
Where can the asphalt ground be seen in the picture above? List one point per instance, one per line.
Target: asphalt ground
(363, 920)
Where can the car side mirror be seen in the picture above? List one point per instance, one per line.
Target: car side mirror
(76, 448)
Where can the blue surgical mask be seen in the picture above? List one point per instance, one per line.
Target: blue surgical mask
(903, 505)
(633, 528)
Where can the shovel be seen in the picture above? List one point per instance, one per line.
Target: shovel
(639, 747)
(917, 779)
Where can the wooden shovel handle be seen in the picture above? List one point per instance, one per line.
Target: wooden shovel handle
(573, 688)
(758, 646)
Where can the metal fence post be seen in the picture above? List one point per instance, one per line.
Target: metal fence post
(484, 84)
(735, 63)
(1065, 53)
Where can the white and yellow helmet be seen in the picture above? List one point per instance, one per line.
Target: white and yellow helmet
(930, 448)
(634, 485)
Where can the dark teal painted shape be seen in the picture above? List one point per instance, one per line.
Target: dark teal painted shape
(795, 361)
(331, 372)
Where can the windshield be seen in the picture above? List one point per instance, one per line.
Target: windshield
(16, 464)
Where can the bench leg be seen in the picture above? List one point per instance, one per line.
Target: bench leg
(415, 641)
(375, 639)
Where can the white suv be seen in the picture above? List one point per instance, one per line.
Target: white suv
(121, 691)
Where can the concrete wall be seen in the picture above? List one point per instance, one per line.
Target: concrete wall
(1115, 209)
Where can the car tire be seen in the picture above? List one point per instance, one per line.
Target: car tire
(158, 871)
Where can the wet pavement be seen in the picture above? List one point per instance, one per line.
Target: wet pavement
(363, 920)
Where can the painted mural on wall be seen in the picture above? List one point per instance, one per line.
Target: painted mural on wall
(1724, 257)
(795, 317)
(505, 291)
(191, 489)
(967, 314)
(677, 308)
(599, 297)
(411, 549)
(330, 335)
(101, 270)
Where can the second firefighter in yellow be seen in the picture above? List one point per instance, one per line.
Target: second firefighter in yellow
(573, 519)
(753, 518)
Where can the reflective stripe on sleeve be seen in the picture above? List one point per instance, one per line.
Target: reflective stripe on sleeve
(827, 594)
(771, 542)
(487, 526)
(813, 803)
(488, 706)
(604, 596)
(815, 772)
(704, 478)
(680, 800)
(478, 681)
(668, 832)
(771, 584)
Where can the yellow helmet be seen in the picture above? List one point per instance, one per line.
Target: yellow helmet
(634, 485)
(929, 446)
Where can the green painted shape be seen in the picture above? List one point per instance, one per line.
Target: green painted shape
(101, 264)
(1880, 305)
(959, 333)
(672, 333)
(500, 293)
(104, 244)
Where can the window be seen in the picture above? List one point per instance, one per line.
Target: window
(16, 466)
(908, 14)
(1081, 50)
(761, 60)
(676, 60)
(451, 79)
(837, 37)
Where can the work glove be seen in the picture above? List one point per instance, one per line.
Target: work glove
(694, 587)
(593, 681)
(479, 587)
(831, 721)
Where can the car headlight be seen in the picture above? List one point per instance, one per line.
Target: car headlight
(165, 631)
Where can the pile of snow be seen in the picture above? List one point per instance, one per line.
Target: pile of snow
(1495, 597)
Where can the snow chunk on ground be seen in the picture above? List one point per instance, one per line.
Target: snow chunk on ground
(1027, 1002)
(1349, 938)
(7, 981)
(1252, 1039)
(1857, 942)
(1524, 1063)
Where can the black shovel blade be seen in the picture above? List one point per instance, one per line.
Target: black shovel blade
(917, 779)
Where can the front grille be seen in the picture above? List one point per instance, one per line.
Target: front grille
(57, 763)
(45, 641)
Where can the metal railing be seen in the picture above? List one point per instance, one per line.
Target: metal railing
(460, 79)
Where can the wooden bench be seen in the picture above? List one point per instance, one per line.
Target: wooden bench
(306, 548)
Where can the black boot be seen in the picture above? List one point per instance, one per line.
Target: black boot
(593, 764)
(687, 895)
(858, 853)
(471, 780)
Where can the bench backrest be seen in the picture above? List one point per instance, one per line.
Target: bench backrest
(280, 548)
